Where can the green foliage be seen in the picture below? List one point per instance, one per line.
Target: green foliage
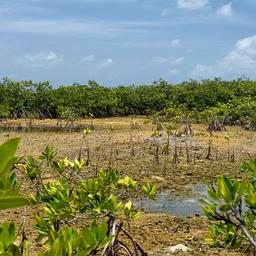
(232, 209)
(66, 200)
(48, 154)
(149, 190)
(101, 200)
(226, 100)
(70, 241)
(87, 131)
(7, 240)
(9, 190)
(32, 168)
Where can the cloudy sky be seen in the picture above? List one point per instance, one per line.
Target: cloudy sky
(119, 42)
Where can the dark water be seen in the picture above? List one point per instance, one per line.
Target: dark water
(41, 128)
(180, 206)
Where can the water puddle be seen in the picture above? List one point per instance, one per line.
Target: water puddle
(180, 206)
(42, 128)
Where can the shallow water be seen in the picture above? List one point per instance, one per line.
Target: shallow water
(181, 206)
(42, 128)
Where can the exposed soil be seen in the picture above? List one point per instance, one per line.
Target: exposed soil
(133, 153)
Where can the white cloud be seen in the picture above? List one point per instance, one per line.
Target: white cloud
(77, 26)
(51, 57)
(192, 4)
(89, 58)
(175, 42)
(176, 61)
(40, 59)
(93, 63)
(174, 72)
(54, 27)
(88, 26)
(225, 10)
(106, 63)
(241, 61)
(168, 60)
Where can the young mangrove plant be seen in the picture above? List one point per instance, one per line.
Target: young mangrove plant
(86, 133)
(97, 157)
(169, 131)
(227, 138)
(78, 214)
(232, 210)
(110, 161)
(99, 201)
(209, 150)
(155, 135)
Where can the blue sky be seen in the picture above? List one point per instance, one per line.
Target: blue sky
(121, 42)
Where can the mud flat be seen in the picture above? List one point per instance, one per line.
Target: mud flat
(175, 217)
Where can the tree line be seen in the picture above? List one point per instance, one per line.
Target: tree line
(234, 99)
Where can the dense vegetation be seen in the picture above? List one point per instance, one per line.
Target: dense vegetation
(232, 100)
(99, 200)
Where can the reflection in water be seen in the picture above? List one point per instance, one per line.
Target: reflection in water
(185, 206)
(41, 128)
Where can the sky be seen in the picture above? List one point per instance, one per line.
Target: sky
(123, 42)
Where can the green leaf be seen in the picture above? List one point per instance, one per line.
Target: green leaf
(9, 202)
(136, 215)
(251, 200)
(105, 241)
(225, 188)
(7, 234)
(88, 237)
(7, 152)
(205, 201)
(127, 182)
(213, 194)
(103, 230)
(210, 211)
(57, 248)
(225, 207)
(5, 179)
